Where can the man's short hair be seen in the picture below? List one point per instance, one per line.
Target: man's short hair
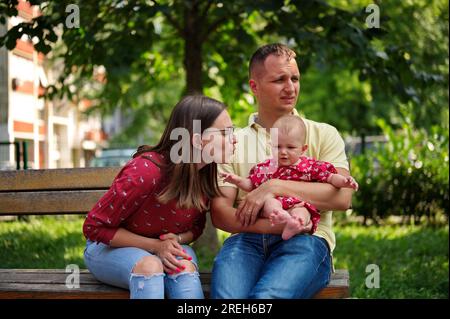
(263, 52)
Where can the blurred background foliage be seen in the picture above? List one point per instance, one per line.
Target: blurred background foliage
(407, 176)
(391, 80)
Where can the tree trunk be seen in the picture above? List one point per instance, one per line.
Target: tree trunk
(193, 51)
(193, 66)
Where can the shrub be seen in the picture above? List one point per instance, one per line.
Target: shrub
(406, 176)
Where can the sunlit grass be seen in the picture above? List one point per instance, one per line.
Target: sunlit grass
(413, 260)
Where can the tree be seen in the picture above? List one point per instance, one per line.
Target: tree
(147, 47)
(144, 43)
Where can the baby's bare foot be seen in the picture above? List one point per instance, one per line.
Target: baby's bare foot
(279, 216)
(293, 226)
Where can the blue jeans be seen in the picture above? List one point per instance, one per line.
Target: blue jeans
(266, 266)
(114, 266)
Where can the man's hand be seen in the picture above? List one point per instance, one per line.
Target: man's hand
(251, 204)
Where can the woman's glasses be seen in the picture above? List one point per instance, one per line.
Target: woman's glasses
(228, 131)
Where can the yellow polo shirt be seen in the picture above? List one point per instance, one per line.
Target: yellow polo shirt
(324, 144)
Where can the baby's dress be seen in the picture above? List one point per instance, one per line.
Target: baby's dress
(307, 170)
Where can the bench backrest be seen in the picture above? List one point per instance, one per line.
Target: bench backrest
(53, 191)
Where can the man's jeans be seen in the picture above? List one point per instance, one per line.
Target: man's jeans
(266, 266)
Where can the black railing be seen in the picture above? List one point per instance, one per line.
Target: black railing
(19, 154)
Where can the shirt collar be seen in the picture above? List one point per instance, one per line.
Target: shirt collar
(254, 116)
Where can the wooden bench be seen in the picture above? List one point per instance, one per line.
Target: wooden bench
(75, 191)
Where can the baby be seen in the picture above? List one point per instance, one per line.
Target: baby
(289, 163)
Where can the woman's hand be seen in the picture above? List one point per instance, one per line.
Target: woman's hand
(167, 250)
(171, 236)
(251, 204)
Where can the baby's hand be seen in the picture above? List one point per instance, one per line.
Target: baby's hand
(341, 181)
(351, 183)
(229, 178)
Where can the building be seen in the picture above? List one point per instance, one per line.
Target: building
(56, 132)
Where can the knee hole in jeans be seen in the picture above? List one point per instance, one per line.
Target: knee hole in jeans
(190, 267)
(148, 265)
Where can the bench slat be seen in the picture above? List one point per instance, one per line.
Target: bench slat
(47, 179)
(52, 291)
(48, 202)
(50, 283)
(58, 276)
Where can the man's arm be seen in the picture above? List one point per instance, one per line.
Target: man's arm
(223, 216)
(323, 196)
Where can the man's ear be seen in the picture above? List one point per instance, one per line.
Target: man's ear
(253, 86)
(197, 141)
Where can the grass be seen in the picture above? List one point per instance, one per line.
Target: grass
(413, 260)
(48, 242)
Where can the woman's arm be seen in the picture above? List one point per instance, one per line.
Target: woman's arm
(125, 238)
(166, 250)
(182, 238)
(122, 200)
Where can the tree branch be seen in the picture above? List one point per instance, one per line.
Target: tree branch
(172, 21)
(212, 28)
(205, 11)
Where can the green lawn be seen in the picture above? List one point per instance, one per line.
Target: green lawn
(413, 260)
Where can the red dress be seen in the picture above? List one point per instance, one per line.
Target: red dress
(131, 203)
(307, 169)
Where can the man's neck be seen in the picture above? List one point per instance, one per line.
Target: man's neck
(267, 120)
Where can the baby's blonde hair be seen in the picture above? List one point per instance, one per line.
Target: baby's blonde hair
(291, 124)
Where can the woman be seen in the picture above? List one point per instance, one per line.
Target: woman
(138, 232)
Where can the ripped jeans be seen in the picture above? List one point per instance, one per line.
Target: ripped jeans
(114, 266)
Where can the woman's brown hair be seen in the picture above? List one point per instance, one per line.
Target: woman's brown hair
(185, 182)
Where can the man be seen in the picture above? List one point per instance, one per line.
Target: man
(255, 262)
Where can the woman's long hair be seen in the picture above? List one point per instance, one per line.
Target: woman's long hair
(185, 182)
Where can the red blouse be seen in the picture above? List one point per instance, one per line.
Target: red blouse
(307, 169)
(131, 203)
